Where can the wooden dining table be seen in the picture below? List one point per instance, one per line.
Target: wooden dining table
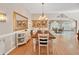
(45, 32)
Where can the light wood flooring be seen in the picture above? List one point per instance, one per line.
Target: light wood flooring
(62, 45)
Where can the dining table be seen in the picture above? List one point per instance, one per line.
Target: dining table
(35, 35)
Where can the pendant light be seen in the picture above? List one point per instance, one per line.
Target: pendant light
(43, 16)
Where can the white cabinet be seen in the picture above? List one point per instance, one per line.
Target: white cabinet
(8, 42)
(20, 38)
(28, 35)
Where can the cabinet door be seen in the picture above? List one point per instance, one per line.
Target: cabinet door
(7, 44)
(2, 47)
(27, 36)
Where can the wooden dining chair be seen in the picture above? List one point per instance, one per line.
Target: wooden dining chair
(43, 40)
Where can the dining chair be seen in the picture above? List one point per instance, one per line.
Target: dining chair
(43, 40)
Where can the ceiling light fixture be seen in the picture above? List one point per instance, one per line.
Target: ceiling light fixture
(2, 17)
(43, 16)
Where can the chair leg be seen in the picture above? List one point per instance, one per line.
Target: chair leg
(47, 50)
(39, 49)
(34, 45)
(34, 48)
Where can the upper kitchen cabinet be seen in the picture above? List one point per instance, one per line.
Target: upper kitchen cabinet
(39, 23)
(20, 22)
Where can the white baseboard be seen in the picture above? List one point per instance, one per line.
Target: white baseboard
(10, 50)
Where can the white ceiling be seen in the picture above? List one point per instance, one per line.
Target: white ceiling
(48, 7)
(51, 7)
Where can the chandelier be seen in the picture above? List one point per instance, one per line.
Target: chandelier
(43, 16)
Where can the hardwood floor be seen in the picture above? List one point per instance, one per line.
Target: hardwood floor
(62, 45)
(25, 49)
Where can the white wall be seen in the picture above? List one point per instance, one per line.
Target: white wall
(7, 27)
